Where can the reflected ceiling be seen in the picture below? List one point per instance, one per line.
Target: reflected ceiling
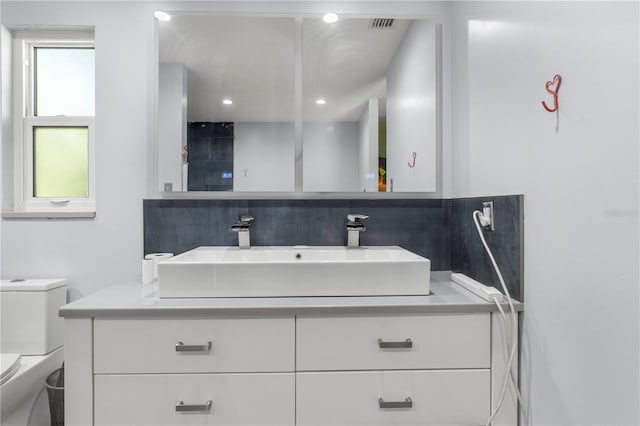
(251, 61)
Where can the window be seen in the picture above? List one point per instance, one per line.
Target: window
(54, 85)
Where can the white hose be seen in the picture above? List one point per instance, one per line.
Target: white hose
(505, 348)
(508, 377)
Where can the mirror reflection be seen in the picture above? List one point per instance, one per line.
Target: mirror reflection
(227, 104)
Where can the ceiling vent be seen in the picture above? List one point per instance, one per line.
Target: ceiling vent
(381, 23)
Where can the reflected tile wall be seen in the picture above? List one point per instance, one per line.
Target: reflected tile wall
(441, 230)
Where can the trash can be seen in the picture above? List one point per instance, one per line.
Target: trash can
(55, 392)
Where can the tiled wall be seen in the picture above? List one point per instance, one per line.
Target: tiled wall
(506, 241)
(417, 225)
(437, 229)
(210, 148)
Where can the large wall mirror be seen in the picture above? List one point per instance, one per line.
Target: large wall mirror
(286, 104)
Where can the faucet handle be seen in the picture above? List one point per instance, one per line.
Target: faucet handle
(243, 223)
(354, 227)
(356, 218)
(245, 218)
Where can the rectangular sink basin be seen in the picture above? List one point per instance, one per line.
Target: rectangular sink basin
(298, 271)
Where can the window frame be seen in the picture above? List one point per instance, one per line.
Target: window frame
(25, 122)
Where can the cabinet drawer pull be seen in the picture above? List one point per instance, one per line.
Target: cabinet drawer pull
(407, 403)
(182, 407)
(181, 347)
(391, 345)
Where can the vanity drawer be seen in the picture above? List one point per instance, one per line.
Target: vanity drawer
(443, 397)
(236, 399)
(238, 345)
(380, 342)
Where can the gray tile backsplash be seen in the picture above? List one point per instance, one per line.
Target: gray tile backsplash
(291, 222)
(506, 242)
(440, 230)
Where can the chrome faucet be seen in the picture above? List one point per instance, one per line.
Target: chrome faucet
(354, 227)
(241, 226)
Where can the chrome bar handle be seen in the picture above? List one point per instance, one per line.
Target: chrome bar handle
(394, 345)
(181, 407)
(181, 347)
(407, 403)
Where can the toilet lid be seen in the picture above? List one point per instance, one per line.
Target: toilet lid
(20, 284)
(9, 364)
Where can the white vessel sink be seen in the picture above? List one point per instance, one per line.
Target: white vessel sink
(294, 272)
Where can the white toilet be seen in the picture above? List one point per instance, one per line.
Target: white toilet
(31, 339)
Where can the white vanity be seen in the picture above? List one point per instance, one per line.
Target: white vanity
(133, 358)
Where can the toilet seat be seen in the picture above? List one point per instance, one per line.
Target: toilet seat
(9, 365)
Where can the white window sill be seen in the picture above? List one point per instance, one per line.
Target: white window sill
(49, 215)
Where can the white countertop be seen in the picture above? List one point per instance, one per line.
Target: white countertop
(141, 300)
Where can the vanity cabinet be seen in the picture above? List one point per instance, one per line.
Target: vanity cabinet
(207, 399)
(194, 371)
(310, 364)
(179, 345)
(392, 342)
(413, 397)
(393, 369)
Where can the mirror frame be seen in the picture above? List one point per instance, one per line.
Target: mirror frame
(298, 193)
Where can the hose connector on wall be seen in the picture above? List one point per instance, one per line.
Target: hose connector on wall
(486, 217)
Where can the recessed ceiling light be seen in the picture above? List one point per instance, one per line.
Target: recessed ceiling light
(227, 101)
(162, 16)
(330, 17)
(321, 101)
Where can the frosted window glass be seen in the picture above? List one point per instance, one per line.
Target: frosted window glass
(64, 81)
(61, 162)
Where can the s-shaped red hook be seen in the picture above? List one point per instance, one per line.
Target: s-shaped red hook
(552, 87)
(413, 160)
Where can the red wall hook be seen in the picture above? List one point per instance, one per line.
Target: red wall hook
(412, 164)
(552, 87)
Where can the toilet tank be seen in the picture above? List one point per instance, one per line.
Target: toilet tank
(30, 324)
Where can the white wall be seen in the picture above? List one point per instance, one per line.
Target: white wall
(330, 161)
(411, 111)
(7, 116)
(5, 119)
(172, 123)
(263, 157)
(580, 355)
(95, 253)
(368, 147)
